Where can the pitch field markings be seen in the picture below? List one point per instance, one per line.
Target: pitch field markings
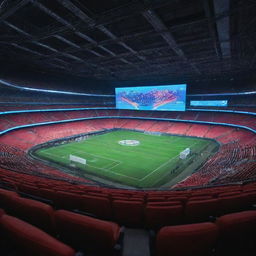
(105, 168)
(146, 154)
(115, 173)
(165, 164)
(115, 163)
(159, 167)
(143, 165)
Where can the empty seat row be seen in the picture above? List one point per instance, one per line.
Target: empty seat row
(79, 231)
(29, 240)
(232, 234)
(136, 213)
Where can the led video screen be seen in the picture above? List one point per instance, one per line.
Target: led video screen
(209, 103)
(162, 98)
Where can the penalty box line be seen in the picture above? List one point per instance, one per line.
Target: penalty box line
(158, 168)
(111, 167)
(165, 163)
(115, 173)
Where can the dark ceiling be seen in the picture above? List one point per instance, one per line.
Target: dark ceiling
(118, 40)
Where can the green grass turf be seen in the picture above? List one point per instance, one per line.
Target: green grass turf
(142, 166)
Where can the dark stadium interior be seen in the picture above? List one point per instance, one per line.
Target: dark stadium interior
(61, 61)
(128, 42)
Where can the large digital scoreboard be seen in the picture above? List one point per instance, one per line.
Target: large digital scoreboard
(162, 98)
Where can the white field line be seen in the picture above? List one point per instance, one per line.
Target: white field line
(119, 162)
(163, 164)
(119, 174)
(97, 156)
(103, 169)
(109, 168)
(158, 167)
(134, 151)
(60, 157)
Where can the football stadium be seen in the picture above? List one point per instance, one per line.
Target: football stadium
(128, 128)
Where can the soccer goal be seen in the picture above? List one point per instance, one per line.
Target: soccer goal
(76, 159)
(184, 154)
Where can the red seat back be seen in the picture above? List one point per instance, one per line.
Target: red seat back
(5, 197)
(159, 216)
(237, 233)
(34, 212)
(129, 213)
(99, 206)
(196, 211)
(84, 232)
(32, 240)
(186, 240)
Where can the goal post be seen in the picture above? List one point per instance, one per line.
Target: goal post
(184, 154)
(77, 159)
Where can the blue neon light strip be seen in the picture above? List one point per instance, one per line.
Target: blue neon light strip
(110, 95)
(52, 91)
(111, 108)
(50, 110)
(223, 94)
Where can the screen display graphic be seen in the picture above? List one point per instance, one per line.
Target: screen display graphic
(209, 103)
(163, 98)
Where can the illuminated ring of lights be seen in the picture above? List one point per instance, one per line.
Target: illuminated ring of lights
(129, 142)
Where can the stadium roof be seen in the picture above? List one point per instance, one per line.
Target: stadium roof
(119, 40)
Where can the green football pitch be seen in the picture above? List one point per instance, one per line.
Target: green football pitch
(153, 162)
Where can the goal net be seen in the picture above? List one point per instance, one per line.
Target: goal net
(184, 154)
(76, 159)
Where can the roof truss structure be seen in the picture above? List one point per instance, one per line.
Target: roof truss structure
(138, 39)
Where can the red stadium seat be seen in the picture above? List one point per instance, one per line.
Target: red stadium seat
(32, 240)
(186, 240)
(99, 206)
(87, 233)
(237, 234)
(200, 197)
(29, 189)
(159, 216)
(67, 200)
(47, 193)
(182, 199)
(200, 210)
(129, 213)
(34, 212)
(2, 212)
(164, 203)
(5, 197)
(234, 203)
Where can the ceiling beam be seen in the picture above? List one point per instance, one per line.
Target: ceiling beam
(21, 31)
(78, 32)
(212, 27)
(68, 55)
(131, 9)
(67, 24)
(84, 17)
(158, 25)
(15, 7)
(223, 26)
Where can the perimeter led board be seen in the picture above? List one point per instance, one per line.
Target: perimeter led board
(162, 98)
(209, 103)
